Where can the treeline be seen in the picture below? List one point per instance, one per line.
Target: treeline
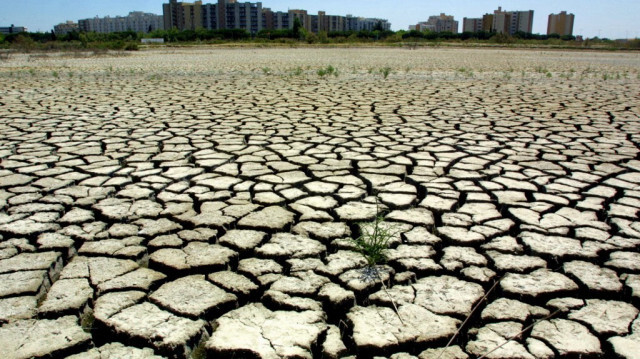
(481, 35)
(28, 41)
(129, 40)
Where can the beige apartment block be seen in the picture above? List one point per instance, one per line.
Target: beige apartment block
(510, 22)
(182, 15)
(561, 24)
(471, 24)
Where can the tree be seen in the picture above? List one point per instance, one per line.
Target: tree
(378, 26)
(298, 30)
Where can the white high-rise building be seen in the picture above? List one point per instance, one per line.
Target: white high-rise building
(136, 21)
(438, 23)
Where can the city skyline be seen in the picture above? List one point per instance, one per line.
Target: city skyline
(589, 20)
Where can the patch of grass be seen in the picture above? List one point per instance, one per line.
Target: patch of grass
(385, 71)
(465, 72)
(32, 72)
(327, 71)
(55, 74)
(541, 70)
(86, 320)
(549, 75)
(266, 71)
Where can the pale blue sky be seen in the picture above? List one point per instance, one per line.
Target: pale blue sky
(612, 19)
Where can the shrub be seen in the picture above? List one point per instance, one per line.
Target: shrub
(132, 46)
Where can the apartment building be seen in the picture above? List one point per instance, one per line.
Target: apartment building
(252, 17)
(276, 20)
(561, 24)
(182, 15)
(137, 21)
(472, 24)
(487, 22)
(230, 14)
(353, 23)
(438, 23)
(65, 28)
(510, 22)
(7, 30)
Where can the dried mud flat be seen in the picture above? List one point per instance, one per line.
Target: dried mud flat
(199, 203)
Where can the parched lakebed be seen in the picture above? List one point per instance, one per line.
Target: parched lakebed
(203, 202)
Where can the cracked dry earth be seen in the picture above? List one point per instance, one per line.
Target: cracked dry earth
(199, 203)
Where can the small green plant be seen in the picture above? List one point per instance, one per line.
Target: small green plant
(549, 75)
(605, 76)
(374, 240)
(297, 71)
(266, 71)
(55, 74)
(32, 72)
(70, 74)
(327, 71)
(385, 71)
(372, 243)
(465, 72)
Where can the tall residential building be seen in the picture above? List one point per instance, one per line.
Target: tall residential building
(276, 20)
(561, 24)
(252, 17)
(65, 28)
(471, 24)
(487, 22)
(230, 14)
(521, 21)
(301, 15)
(353, 23)
(182, 15)
(501, 21)
(137, 21)
(510, 22)
(438, 23)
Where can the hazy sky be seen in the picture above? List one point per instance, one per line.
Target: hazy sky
(612, 19)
